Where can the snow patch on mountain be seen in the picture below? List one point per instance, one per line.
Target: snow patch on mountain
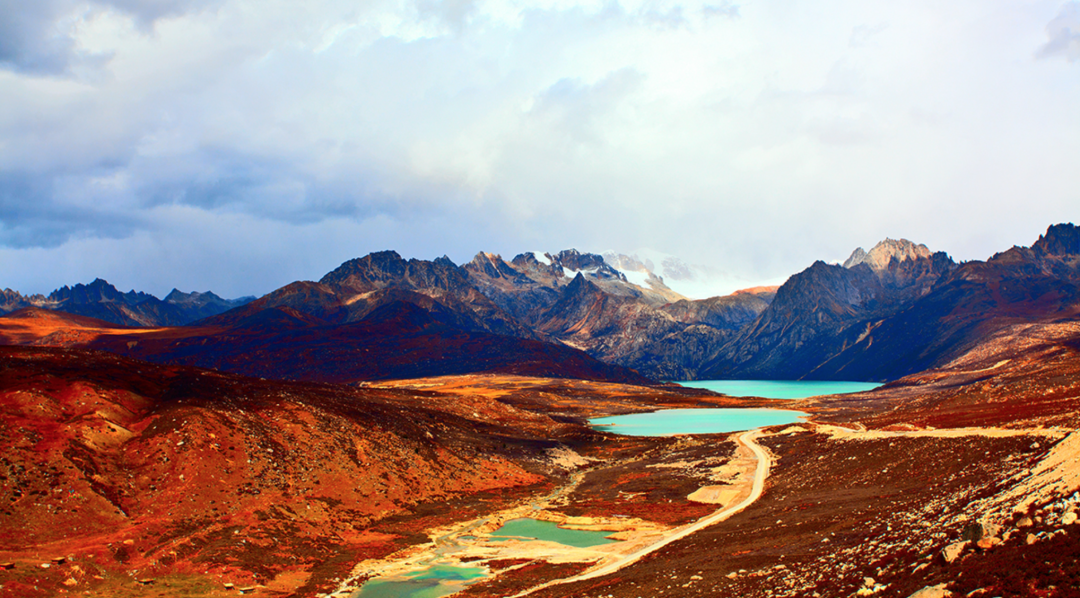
(542, 258)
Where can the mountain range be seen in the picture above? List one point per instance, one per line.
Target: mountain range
(103, 301)
(120, 476)
(894, 310)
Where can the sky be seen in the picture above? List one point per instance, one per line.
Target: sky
(239, 145)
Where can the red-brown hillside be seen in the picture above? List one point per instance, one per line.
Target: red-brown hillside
(141, 470)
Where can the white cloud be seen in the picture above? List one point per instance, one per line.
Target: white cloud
(754, 137)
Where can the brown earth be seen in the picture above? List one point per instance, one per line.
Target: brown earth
(878, 488)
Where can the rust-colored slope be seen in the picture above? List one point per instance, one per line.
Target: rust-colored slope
(167, 472)
(32, 325)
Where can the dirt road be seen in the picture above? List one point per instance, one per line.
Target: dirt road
(748, 440)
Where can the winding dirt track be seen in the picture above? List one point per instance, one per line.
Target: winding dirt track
(760, 473)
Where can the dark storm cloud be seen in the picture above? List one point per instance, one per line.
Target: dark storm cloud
(47, 211)
(32, 214)
(224, 180)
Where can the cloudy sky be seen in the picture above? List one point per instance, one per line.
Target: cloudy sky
(238, 145)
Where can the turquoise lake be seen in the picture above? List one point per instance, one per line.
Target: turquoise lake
(550, 532)
(433, 582)
(780, 389)
(694, 421)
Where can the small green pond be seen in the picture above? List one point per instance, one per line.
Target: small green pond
(435, 581)
(549, 532)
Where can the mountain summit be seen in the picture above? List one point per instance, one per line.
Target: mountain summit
(886, 251)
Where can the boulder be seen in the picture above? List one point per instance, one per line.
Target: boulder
(1025, 521)
(973, 532)
(952, 551)
(1068, 518)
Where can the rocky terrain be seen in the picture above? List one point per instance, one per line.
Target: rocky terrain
(962, 481)
(821, 311)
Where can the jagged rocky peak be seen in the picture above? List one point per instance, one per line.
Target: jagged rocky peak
(588, 263)
(492, 265)
(1060, 239)
(384, 269)
(370, 270)
(208, 303)
(572, 259)
(99, 291)
(538, 266)
(879, 257)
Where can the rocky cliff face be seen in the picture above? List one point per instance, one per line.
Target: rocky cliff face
(599, 311)
(915, 312)
(522, 289)
(368, 283)
(819, 311)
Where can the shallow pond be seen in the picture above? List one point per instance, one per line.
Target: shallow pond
(694, 421)
(780, 389)
(440, 580)
(549, 532)
(435, 581)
